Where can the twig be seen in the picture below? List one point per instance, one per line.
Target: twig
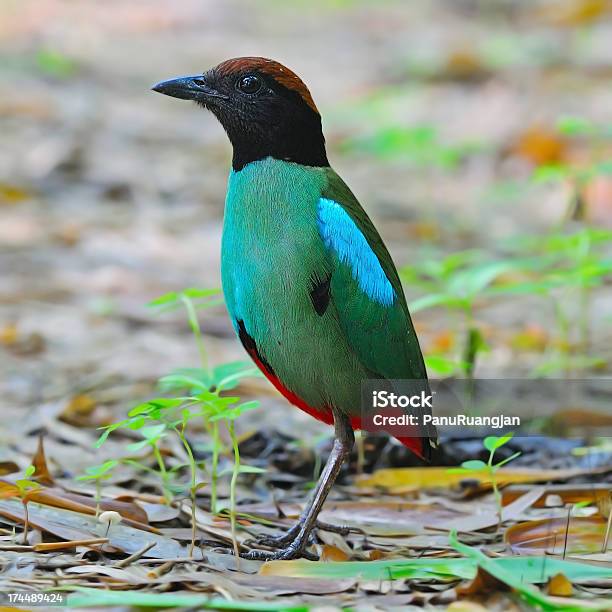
(608, 526)
(52, 546)
(162, 569)
(567, 525)
(128, 560)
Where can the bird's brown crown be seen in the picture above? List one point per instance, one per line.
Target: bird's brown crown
(275, 70)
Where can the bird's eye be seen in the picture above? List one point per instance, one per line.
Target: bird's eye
(249, 84)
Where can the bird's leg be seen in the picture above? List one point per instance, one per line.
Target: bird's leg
(297, 537)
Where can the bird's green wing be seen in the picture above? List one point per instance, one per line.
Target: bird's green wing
(365, 287)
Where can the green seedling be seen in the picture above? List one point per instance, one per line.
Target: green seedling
(457, 282)
(55, 64)
(230, 416)
(201, 398)
(152, 436)
(219, 379)
(563, 265)
(477, 467)
(98, 473)
(25, 485)
(159, 416)
(420, 145)
(192, 300)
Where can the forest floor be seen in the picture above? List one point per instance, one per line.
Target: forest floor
(478, 137)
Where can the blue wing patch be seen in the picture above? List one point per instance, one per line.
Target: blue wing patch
(341, 234)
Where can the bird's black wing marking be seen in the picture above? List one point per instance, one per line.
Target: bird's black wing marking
(320, 294)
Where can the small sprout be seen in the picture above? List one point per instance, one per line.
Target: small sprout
(98, 473)
(110, 517)
(25, 485)
(491, 443)
(199, 396)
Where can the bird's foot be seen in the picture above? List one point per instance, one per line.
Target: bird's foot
(291, 544)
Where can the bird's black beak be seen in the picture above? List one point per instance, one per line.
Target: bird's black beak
(189, 88)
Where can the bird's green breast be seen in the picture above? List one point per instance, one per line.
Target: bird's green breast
(270, 251)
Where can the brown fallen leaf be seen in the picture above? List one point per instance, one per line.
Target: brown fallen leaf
(580, 417)
(552, 536)
(8, 467)
(41, 474)
(540, 146)
(70, 525)
(559, 586)
(572, 13)
(442, 342)
(531, 338)
(567, 494)
(333, 553)
(482, 583)
(13, 194)
(604, 505)
(465, 606)
(55, 546)
(21, 344)
(78, 409)
(464, 64)
(402, 480)
(133, 514)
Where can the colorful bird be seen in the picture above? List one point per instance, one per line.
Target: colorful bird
(311, 289)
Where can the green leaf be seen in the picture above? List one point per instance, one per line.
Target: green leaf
(185, 379)
(158, 403)
(29, 471)
(194, 293)
(251, 469)
(532, 569)
(233, 413)
(433, 300)
(575, 126)
(56, 64)
(136, 446)
(153, 432)
(167, 299)
(441, 365)
(83, 597)
(507, 460)
(471, 281)
(107, 431)
(492, 443)
(551, 173)
(512, 579)
(95, 472)
(227, 376)
(475, 465)
(23, 484)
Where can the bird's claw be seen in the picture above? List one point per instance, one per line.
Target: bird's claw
(291, 543)
(289, 536)
(290, 552)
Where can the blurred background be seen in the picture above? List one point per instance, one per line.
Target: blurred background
(477, 134)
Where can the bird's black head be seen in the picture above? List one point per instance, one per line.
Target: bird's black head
(264, 107)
